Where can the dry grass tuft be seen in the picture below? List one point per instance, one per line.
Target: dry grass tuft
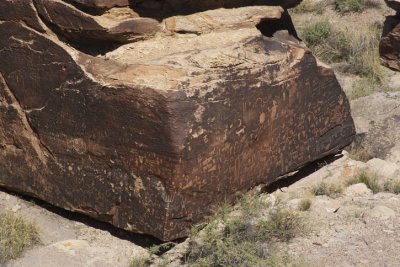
(369, 179)
(16, 235)
(392, 187)
(305, 204)
(327, 189)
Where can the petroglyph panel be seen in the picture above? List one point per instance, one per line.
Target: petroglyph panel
(150, 135)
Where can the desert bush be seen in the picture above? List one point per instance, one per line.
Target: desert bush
(334, 44)
(239, 238)
(356, 51)
(282, 225)
(16, 235)
(327, 189)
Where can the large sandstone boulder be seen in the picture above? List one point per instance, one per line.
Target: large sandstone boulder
(193, 110)
(389, 47)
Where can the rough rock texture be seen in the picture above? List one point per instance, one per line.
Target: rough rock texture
(389, 47)
(150, 135)
(377, 120)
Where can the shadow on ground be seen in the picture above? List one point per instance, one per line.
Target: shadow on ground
(290, 179)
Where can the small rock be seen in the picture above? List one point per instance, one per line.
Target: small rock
(357, 190)
(381, 212)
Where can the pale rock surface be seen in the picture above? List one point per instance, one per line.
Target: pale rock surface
(381, 212)
(384, 168)
(357, 190)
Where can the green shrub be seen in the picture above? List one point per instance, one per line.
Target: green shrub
(16, 235)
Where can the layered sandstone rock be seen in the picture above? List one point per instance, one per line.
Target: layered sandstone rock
(192, 110)
(389, 47)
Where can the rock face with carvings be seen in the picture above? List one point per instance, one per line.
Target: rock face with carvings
(389, 47)
(148, 119)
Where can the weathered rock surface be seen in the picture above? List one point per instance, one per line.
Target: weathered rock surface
(389, 47)
(151, 135)
(377, 120)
